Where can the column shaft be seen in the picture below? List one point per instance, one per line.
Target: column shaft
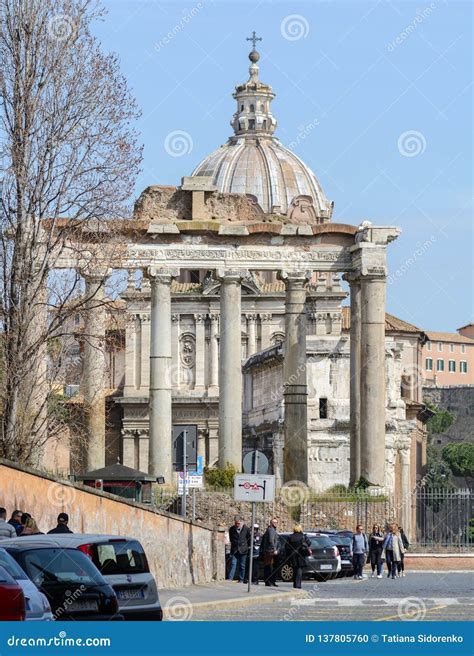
(294, 378)
(355, 371)
(93, 372)
(214, 352)
(230, 371)
(251, 334)
(372, 386)
(160, 437)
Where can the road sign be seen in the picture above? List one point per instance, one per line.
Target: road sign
(255, 462)
(192, 480)
(254, 487)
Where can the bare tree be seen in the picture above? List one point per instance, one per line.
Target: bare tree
(70, 159)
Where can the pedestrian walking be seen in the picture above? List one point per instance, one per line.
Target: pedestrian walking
(376, 539)
(239, 536)
(299, 549)
(270, 548)
(31, 528)
(393, 547)
(6, 529)
(360, 548)
(62, 527)
(15, 521)
(406, 544)
(257, 543)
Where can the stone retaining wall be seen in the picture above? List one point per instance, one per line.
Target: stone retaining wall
(179, 552)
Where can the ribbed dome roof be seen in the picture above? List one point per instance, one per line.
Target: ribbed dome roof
(265, 169)
(254, 162)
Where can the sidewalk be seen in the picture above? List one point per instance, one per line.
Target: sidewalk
(179, 604)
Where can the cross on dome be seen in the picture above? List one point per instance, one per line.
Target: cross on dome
(254, 38)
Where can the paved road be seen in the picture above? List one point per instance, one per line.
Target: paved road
(420, 595)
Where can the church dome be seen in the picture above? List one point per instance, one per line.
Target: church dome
(253, 162)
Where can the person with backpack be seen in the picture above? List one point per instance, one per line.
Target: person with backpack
(360, 549)
(299, 550)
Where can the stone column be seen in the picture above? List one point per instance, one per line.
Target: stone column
(294, 377)
(355, 368)
(200, 363)
(266, 330)
(230, 370)
(214, 354)
(405, 491)
(94, 369)
(160, 438)
(251, 334)
(175, 364)
(372, 382)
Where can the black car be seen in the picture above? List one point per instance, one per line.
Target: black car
(344, 545)
(322, 564)
(74, 587)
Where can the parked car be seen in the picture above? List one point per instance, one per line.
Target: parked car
(123, 564)
(12, 599)
(344, 545)
(324, 562)
(36, 604)
(74, 587)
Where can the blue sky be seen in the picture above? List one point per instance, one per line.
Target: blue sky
(375, 97)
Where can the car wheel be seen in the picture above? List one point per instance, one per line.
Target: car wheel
(286, 573)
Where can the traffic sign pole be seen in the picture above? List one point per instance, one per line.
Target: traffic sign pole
(254, 508)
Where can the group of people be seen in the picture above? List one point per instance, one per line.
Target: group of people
(22, 523)
(266, 546)
(380, 547)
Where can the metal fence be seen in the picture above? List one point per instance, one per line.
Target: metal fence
(441, 519)
(445, 518)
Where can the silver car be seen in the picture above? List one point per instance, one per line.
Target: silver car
(37, 606)
(123, 564)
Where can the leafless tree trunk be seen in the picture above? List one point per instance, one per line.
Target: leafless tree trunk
(68, 159)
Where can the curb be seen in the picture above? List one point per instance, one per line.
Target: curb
(225, 603)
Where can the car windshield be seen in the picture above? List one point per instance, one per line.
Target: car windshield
(12, 567)
(339, 539)
(53, 566)
(120, 557)
(320, 542)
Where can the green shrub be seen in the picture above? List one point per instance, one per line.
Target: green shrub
(460, 458)
(220, 478)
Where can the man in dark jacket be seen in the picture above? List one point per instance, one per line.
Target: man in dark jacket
(270, 548)
(15, 521)
(239, 536)
(62, 526)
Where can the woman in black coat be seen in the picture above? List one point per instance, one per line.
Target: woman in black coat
(298, 546)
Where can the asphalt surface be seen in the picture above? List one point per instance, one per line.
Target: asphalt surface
(418, 596)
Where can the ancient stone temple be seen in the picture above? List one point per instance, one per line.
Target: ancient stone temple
(237, 323)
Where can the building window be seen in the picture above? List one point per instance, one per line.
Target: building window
(440, 347)
(452, 366)
(451, 348)
(241, 108)
(194, 276)
(251, 124)
(463, 367)
(252, 108)
(428, 346)
(429, 364)
(463, 348)
(323, 408)
(439, 365)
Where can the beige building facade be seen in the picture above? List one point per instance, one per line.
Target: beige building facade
(448, 358)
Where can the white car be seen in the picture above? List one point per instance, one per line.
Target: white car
(123, 564)
(37, 606)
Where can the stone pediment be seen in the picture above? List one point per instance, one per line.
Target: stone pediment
(250, 285)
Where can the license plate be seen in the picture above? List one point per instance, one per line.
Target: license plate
(83, 604)
(325, 567)
(346, 562)
(130, 594)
